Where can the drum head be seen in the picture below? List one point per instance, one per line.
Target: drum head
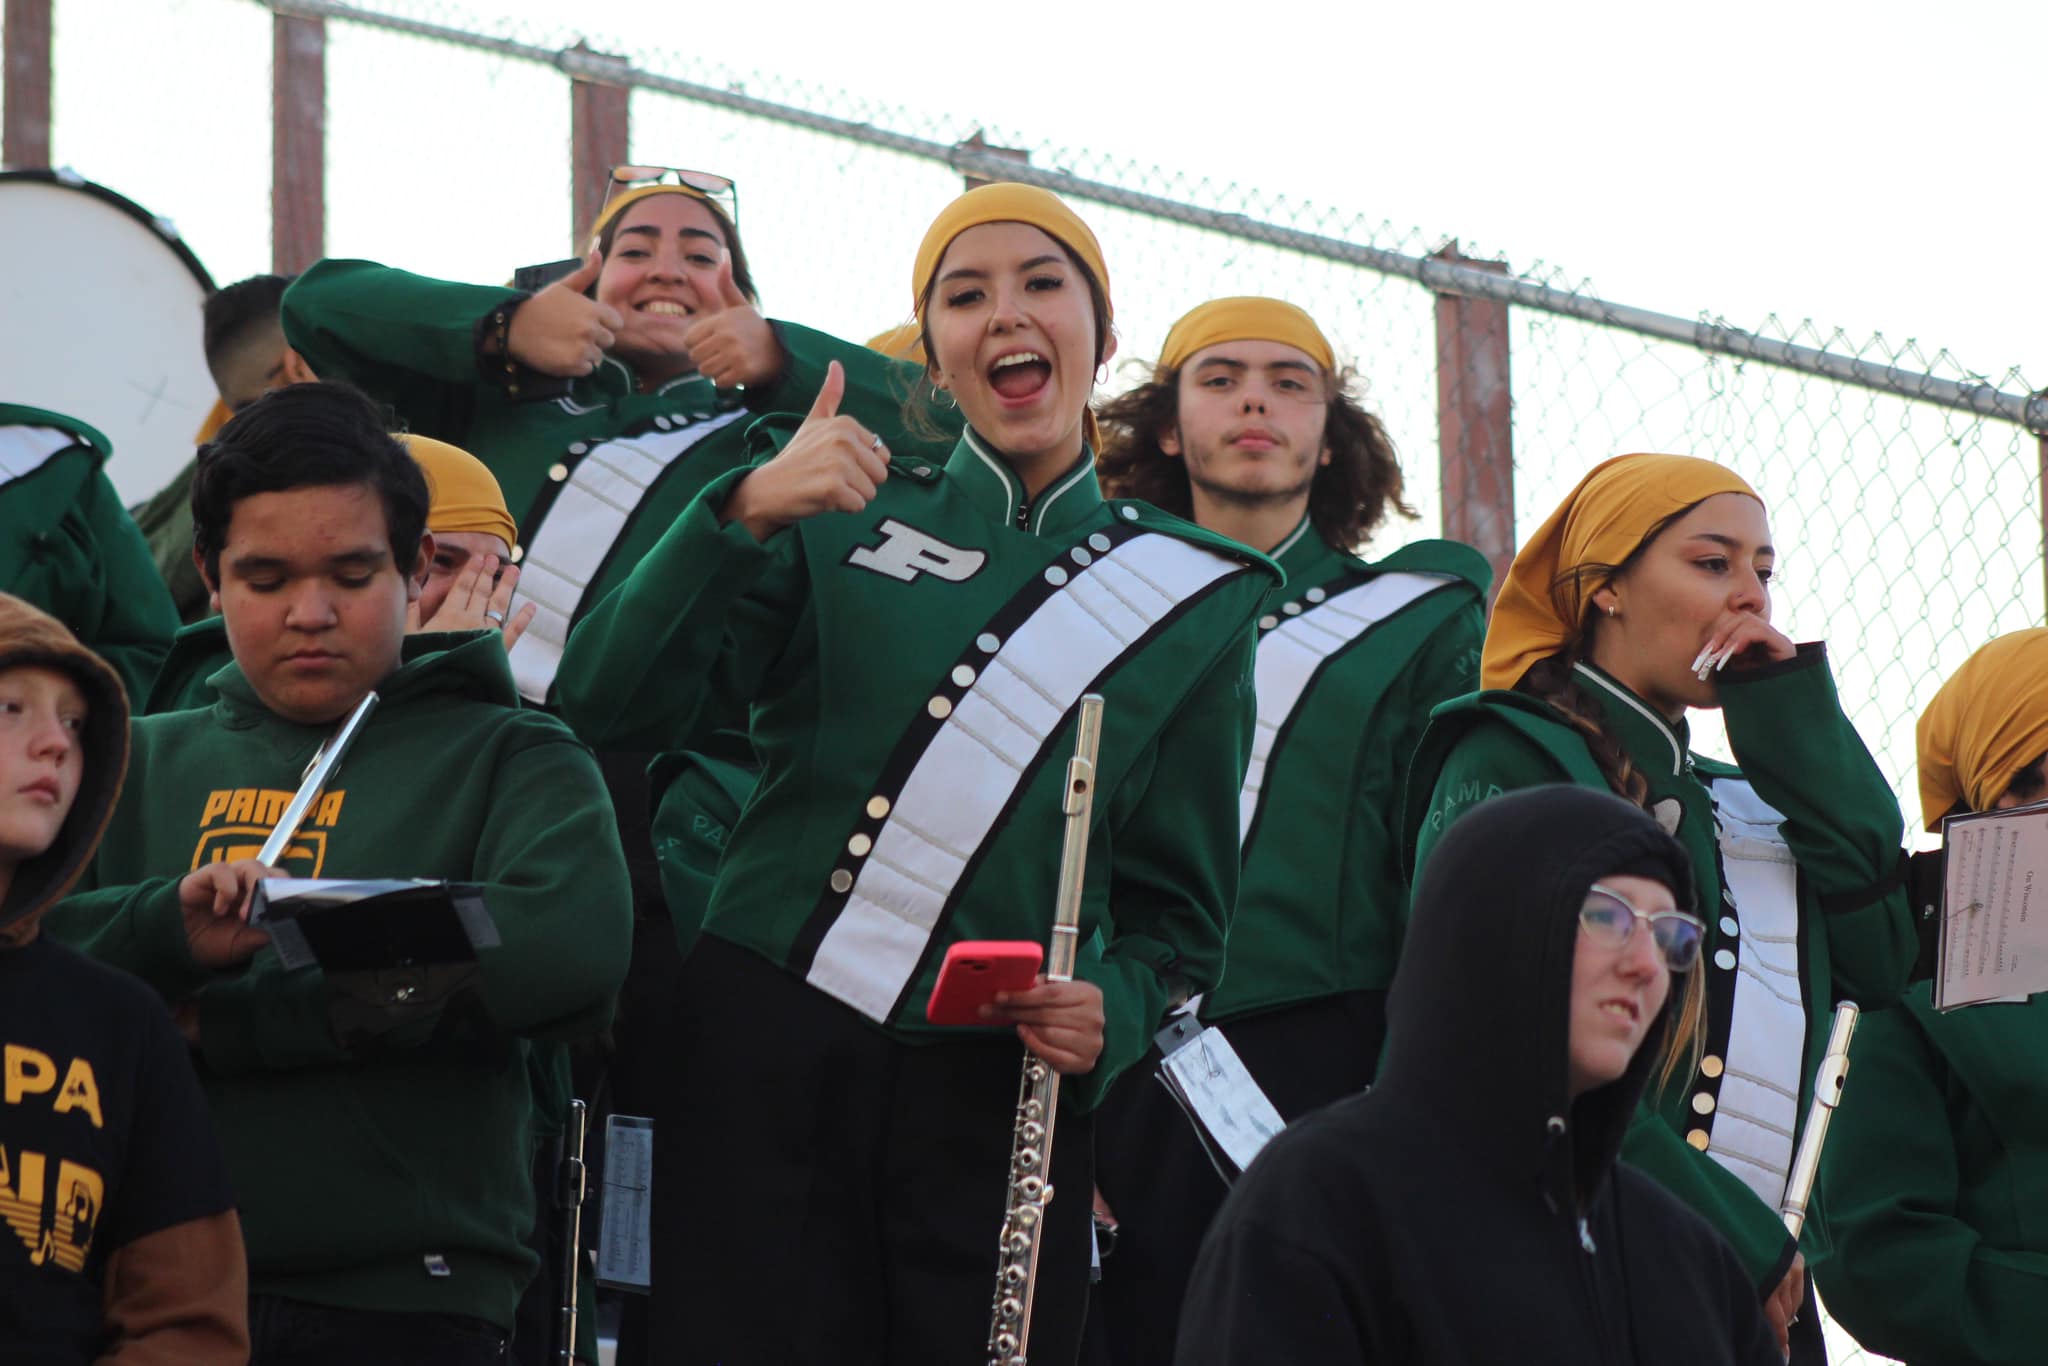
(102, 303)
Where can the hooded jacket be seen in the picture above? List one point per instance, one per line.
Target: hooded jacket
(118, 1237)
(1466, 1209)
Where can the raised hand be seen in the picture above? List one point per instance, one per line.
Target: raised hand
(1743, 639)
(832, 464)
(214, 902)
(480, 596)
(560, 332)
(730, 343)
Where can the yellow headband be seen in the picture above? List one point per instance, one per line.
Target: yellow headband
(900, 343)
(462, 493)
(1989, 721)
(1006, 204)
(1246, 318)
(1602, 521)
(619, 203)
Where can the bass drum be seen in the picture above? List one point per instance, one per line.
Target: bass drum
(102, 306)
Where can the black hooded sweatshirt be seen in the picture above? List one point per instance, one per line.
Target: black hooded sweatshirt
(1465, 1210)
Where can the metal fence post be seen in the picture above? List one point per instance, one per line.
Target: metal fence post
(298, 142)
(1475, 452)
(600, 137)
(979, 145)
(25, 137)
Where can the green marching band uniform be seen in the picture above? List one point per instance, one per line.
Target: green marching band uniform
(1932, 1186)
(593, 470)
(1352, 656)
(69, 548)
(1798, 874)
(1938, 1159)
(973, 622)
(380, 1143)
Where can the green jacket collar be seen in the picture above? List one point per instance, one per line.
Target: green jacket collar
(614, 380)
(1301, 551)
(993, 487)
(1656, 744)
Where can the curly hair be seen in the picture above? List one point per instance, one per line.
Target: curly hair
(1348, 500)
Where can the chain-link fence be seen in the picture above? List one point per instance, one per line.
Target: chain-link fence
(1903, 487)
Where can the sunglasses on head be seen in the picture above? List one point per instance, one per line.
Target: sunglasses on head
(703, 182)
(1610, 918)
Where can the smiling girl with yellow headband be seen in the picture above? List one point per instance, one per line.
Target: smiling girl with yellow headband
(1941, 1136)
(913, 637)
(1644, 595)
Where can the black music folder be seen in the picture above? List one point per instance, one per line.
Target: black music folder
(372, 926)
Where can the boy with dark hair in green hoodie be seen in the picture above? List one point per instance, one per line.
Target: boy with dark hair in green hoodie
(378, 1125)
(118, 1236)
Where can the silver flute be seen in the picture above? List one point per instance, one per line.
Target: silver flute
(325, 760)
(1827, 1094)
(1038, 1094)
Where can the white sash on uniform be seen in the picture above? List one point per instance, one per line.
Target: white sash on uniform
(1756, 1117)
(1295, 646)
(24, 450)
(574, 541)
(964, 779)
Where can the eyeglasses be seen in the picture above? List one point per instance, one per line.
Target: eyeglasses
(1610, 918)
(703, 182)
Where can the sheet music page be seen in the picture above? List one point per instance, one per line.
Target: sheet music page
(1994, 911)
(1213, 1084)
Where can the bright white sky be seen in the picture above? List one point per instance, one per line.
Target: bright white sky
(1870, 165)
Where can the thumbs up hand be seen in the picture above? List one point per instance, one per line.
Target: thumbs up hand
(560, 332)
(730, 343)
(832, 464)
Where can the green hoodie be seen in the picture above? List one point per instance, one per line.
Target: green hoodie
(1809, 815)
(613, 466)
(68, 547)
(370, 1155)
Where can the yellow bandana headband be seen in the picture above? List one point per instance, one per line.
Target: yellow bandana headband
(1006, 203)
(1246, 318)
(904, 342)
(462, 493)
(1602, 521)
(1989, 721)
(619, 203)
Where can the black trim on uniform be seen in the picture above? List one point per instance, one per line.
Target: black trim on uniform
(1856, 898)
(924, 728)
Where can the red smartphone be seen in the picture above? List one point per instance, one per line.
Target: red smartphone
(974, 971)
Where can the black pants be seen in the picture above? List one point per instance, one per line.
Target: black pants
(823, 1193)
(1163, 1188)
(285, 1332)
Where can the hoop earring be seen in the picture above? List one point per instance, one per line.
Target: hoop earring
(1102, 374)
(944, 398)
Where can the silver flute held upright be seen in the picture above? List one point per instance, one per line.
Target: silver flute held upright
(1038, 1094)
(325, 760)
(1827, 1094)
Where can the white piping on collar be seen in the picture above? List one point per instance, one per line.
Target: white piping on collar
(1080, 472)
(1002, 474)
(1663, 726)
(1281, 549)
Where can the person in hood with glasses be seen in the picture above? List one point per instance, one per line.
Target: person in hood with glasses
(1472, 1206)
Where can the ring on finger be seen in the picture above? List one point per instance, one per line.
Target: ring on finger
(875, 443)
(496, 617)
